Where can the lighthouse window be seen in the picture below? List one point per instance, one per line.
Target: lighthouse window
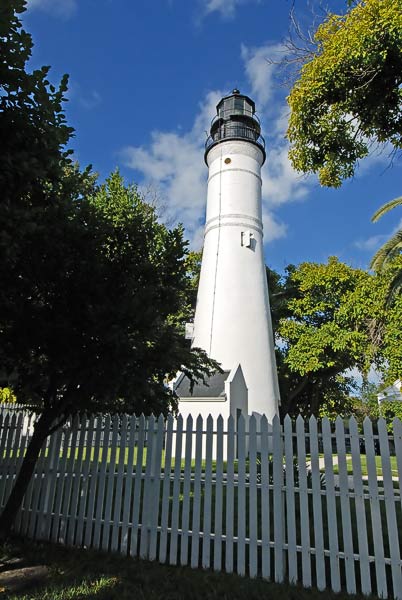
(246, 237)
(227, 161)
(239, 105)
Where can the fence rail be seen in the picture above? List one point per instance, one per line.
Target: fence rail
(307, 501)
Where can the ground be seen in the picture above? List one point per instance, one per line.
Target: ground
(30, 571)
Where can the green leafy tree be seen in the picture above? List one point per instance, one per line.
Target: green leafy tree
(348, 93)
(315, 345)
(91, 281)
(335, 319)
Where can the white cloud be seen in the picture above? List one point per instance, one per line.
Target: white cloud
(173, 161)
(372, 243)
(59, 8)
(226, 8)
(260, 72)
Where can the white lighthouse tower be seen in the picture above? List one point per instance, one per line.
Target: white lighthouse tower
(232, 319)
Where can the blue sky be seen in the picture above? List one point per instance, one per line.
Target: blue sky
(144, 81)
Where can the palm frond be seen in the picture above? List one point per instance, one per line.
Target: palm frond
(385, 208)
(387, 252)
(395, 287)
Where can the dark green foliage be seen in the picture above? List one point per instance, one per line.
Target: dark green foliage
(92, 286)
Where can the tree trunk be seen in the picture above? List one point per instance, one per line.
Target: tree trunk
(41, 431)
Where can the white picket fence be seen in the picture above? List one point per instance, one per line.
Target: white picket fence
(213, 496)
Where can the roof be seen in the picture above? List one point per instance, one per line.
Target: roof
(214, 387)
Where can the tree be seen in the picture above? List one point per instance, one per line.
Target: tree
(348, 93)
(91, 281)
(391, 249)
(315, 346)
(335, 319)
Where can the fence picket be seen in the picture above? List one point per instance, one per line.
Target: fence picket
(54, 475)
(265, 501)
(360, 508)
(176, 492)
(252, 506)
(185, 517)
(6, 439)
(128, 486)
(382, 590)
(67, 433)
(137, 486)
(317, 505)
(195, 534)
(392, 524)
(110, 485)
(38, 482)
(12, 460)
(278, 498)
(218, 495)
(241, 496)
(345, 507)
(206, 522)
(76, 482)
(68, 482)
(331, 506)
(101, 484)
(397, 427)
(46, 499)
(147, 502)
(230, 496)
(93, 483)
(166, 491)
(116, 516)
(155, 488)
(290, 501)
(303, 502)
(83, 492)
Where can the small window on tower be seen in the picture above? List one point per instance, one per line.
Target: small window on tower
(227, 161)
(246, 237)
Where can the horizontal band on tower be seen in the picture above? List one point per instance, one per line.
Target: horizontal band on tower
(235, 169)
(254, 221)
(234, 224)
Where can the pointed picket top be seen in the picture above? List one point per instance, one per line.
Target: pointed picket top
(339, 425)
(189, 423)
(210, 421)
(161, 421)
(366, 421)
(326, 423)
(169, 419)
(253, 424)
(287, 421)
(241, 423)
(275, 421)
(352, 422)
(312, 421)
(382, 423)
(264, 422)
(179, 420)
(199, 422)
(219, 421)
(231, 423)
(396, 423)
(299, 421)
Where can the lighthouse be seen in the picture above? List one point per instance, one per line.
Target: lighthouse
(232, 319)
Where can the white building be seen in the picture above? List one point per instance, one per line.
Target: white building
(391, 393)
(232, 319)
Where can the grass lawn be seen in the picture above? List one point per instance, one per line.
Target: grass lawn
(85, 575)
(363, 460)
